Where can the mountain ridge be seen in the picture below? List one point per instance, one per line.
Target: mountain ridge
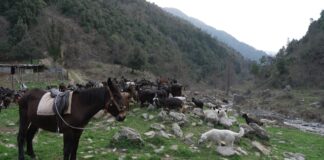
(246, 50)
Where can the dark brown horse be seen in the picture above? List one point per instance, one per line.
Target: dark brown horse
(85, 104)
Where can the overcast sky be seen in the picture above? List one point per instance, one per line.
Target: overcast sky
(264, 24)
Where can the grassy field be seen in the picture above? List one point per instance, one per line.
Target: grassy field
(95, 144)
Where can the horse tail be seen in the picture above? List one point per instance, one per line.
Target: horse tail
(23, 107)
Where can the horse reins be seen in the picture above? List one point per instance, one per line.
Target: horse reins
(112, 100)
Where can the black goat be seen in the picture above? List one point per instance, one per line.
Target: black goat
(169, 103)
(198, 103)
(146, 96)
(249, 120)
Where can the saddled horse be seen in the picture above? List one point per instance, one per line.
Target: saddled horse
(85, 104)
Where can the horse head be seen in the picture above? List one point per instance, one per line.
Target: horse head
(115, 103)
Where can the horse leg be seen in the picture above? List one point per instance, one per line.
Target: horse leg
(75, 144)
(32, 130)
(67, 139)
(23, 125)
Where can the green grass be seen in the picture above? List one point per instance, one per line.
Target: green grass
(98, 142)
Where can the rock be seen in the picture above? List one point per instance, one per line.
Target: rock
(225, 150)
(259, 131)
(196, 93)
(226, 122)
(111, 120)
(177, 130)
(163, 116)
(10, 146)
(211, 116)
(268, 121)
(145, 115)
(188, 139)
(88, 156)
(210, 105)
(315, 105)
(200, 122)
(163, 134)
(287, 88)
(99, 114)
(241, 151)
(238, 99)
(128, 134)
(151, 107)
(136, 109)
(159, 150)
(157, 126)
(254, 130)
(150, 134)
(151, 117)
(210, 124)
(174, 147)
(264, 150)
(248, 131)
(198, 112)
(293, 156)
(179, 118)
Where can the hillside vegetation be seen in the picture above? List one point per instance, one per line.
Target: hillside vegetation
(132, 33)
(244, 49)
(300, 64)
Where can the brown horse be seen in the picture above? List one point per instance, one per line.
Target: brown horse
(85, 104)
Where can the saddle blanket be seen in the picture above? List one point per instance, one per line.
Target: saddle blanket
(45, 106)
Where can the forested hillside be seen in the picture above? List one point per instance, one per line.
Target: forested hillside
(246, 50)
(132, 33)
(301, 63)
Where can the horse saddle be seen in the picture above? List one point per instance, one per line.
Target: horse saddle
(61, 100)
(54, 102)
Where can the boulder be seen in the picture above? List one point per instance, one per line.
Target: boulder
(259, 131)
(293, 156)
(157, 126)
(145, 116)
(163, 116)
(99, 114)
(225, 150)
(254, 130)
(264, 150)
(226, 122)
(177, 130)
(188, 139)
(150, 134)
(128, 134)
(179, 118)
(198, 112)
(210, 105)
(287, 88)
(151, 107)
(211, 116)
(164, 134)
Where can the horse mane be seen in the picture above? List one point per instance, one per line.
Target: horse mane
(92, 95)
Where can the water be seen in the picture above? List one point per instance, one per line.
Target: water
(313, 127)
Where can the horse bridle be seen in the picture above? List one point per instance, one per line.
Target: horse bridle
(112, 101)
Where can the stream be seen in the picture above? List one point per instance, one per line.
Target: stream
(300, 124)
